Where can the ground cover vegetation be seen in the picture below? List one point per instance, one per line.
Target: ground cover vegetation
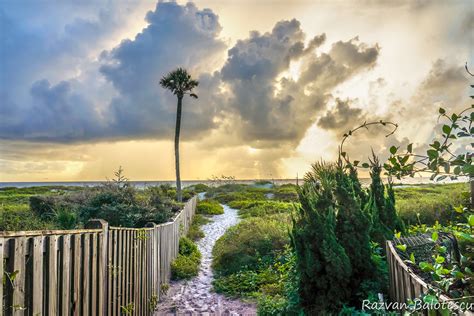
(117, 201)
(209, 207)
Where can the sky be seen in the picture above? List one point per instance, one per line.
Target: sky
(280, 82)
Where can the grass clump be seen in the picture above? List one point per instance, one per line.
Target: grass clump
(209, 207)
(186, 265)
(248, 243)
(232, 192)
(261, 208)
(286, 193)
(426, 204)
(195, 232)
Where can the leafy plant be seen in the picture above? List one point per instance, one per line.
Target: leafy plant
(65, 218)
(127, 309)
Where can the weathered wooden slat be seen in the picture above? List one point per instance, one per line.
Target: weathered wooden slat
(158, 261)
(95, 309)
(130, 292)
(136, 277)
(126, 260)
(86, 283)
(18, 301)
(120, 252)
(52, 287)
(78, 277)
(38, 275)
(66, 275)
(111, 267)
(136, 274)
(103, 269)
(115, 272)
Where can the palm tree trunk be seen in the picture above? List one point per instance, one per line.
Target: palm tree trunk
(176, 149)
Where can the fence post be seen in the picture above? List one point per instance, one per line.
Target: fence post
(103, 262)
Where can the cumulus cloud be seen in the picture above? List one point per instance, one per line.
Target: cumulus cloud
(266, 114)
(445, 85)
(135, 106)
(177, 36)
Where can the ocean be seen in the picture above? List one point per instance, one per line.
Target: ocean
(186, 183)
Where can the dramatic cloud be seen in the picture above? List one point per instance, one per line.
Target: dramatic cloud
(342, 117)
(75, 110)
(177, 36)
(269, 110)
(445, 85)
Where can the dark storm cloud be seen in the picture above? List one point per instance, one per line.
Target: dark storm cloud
(175, 36)
(267, 109)
(342, 117)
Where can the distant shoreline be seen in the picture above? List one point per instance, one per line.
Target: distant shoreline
(186, 183)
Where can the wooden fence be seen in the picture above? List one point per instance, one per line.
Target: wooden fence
(405, 284)
(99, 270)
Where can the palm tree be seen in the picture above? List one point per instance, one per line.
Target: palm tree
(180, 83)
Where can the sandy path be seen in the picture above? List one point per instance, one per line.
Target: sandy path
(194, 297)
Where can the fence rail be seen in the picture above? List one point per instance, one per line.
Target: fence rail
(99, 270)
(405, 284)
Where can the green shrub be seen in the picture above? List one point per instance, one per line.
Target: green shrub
(322, 264)
(186, 265)
(14, 220)
(195, 232)
(352, 231)
(187, 247)
(65, 218)
(263, 183)
(239, 284)
(117, 208)
(264, 208)
(231, 192)
(286, 193)
(265, 278)
(248, 243)
(381, 207)
(209, 207)
(198, 188)
(43, 206)
(270, 305)
(427, 204)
